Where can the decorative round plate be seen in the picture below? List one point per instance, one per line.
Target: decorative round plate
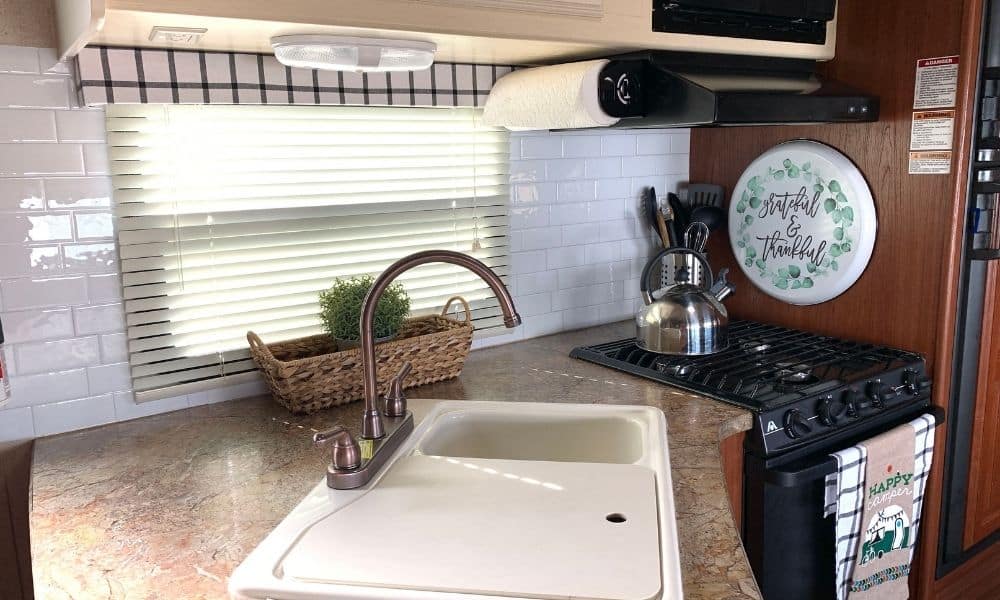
(802, 222)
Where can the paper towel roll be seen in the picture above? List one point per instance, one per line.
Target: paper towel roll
(555, 97)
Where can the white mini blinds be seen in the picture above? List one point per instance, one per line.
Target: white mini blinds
(232, 218)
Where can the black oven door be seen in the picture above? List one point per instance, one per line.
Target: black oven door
(789, 543)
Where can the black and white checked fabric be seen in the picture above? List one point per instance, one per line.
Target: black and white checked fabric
(144, 75)
(845, 497)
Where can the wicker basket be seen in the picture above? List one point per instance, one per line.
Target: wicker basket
(309, 374)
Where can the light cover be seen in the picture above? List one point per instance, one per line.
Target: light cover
(337, 53)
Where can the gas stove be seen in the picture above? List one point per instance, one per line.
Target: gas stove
(803, 388)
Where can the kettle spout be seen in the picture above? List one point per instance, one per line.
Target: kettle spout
(722, 288)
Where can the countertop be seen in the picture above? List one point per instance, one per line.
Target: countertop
(167, 506)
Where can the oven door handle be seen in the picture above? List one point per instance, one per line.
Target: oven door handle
(805, 471)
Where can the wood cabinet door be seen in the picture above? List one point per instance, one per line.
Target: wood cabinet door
(982, 515)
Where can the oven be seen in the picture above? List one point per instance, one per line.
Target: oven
(810, 396)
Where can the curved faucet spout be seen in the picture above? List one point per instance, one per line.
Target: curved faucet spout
(371, 427)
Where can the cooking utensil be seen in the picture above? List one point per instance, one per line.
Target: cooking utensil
(696, 237)
(687, 319)
(681, 214)
(705, 194)
(712, 216)
(651, 214)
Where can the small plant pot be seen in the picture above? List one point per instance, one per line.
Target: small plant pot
(352, 344)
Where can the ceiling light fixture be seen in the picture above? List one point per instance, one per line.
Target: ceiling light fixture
(337, 53)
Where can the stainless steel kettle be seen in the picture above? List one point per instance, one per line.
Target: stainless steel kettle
(687, 319)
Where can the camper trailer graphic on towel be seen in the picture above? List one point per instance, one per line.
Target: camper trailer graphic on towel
(889, 530)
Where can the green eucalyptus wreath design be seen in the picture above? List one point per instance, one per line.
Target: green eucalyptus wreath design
(836, 206)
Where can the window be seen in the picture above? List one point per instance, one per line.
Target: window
(233, 218)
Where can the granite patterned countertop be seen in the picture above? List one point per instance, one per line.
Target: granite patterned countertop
(167, 506)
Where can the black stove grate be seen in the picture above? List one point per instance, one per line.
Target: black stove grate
(763, 367)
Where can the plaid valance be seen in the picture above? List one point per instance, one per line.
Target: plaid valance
(108, 75)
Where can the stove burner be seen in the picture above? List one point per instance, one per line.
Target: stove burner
(677, 369)
(755, 346)
(792, 374)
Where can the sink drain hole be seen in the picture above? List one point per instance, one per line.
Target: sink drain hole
(616, 518)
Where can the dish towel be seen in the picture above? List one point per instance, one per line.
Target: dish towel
(877, 495)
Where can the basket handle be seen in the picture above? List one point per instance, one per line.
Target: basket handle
(257, 344)
(468, 311)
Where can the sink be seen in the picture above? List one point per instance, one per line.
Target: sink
(489, 500)
(501, 434)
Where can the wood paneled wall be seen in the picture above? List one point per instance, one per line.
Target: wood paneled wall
(906, 296)
(897, 300)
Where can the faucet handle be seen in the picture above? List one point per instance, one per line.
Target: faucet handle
(345, 453)
(395, 400)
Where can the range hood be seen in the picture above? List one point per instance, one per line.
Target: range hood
(662, 90)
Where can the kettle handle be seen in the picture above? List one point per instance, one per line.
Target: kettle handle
(647, 297)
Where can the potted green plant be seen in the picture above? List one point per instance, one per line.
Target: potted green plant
(340, 310)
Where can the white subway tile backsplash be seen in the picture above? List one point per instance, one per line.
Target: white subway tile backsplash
(39, 293)
(613, 188)
(603, 252)
(540, 325)
(45, 388)
(525, 217)
(21, 195)
(604, 168)
(619, 229)
(618, 145)
(114, 348)
(34, 91)
(35, 325)
(527, 171)
(651, 143)
(579, 233)
(564, 169)
(16, 424)
(83, 125)
(108, 318)
(104, 288)
(581, 146)
(530, 305)
(569, 213)
(109, 378)
(567, 256)
(126, 408)
(527, 262)
(72, 415)
(581, 190)
(94, 225)
(29, 227)
(578, 318)
(18, 260)
(224, 394)
(533, 283)
(95, 156)
(18, 59)
(40, 159)
(90, 257)
(542, 146)
(18, 125)
(543, 237)
(78, 192)
(59, 355)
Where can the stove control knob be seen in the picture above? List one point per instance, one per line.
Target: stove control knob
(880, 394)
(854, 402)
(796, 425)
(830, 410)
(916, 383)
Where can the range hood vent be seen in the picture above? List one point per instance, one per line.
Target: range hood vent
(663, 90)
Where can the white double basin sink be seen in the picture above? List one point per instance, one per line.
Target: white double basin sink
(489, 500)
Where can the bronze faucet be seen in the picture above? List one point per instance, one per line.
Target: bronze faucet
(349, 467)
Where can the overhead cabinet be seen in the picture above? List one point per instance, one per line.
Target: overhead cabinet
(477, 31)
